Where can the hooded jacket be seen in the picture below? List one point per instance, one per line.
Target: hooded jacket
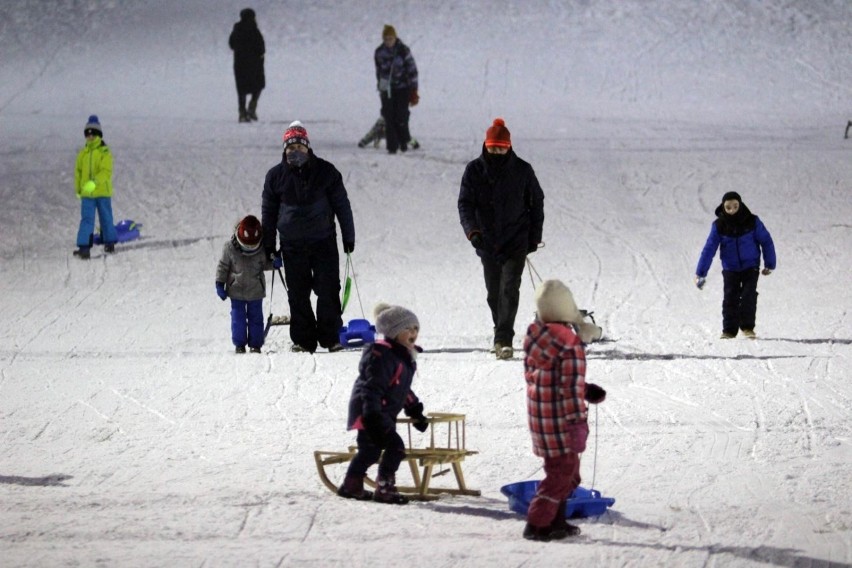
(741, 238)
(555, 373)
(94, 162)
(242, 272)
(383, 386)
(502, 201)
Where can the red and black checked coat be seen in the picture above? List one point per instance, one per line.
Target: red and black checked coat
(555, 371)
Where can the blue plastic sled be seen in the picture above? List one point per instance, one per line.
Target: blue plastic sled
(358, 332)
(126, 230)
(582, 503)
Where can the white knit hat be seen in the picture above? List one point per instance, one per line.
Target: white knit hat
(554, 302)
(393, 320)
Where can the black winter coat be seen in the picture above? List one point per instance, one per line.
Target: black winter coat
(383, 386)
(301, 203)
(249, 50)
(505, 203)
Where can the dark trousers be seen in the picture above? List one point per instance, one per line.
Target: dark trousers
(369, 453)
(561, 478)
(252, 105)
(739, 304)
(395, 112)
(247, 323)
(503, 284)
(314, 267)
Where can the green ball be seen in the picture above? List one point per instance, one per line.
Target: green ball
(89, 187)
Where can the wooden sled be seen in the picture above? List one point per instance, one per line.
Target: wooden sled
(421, 461)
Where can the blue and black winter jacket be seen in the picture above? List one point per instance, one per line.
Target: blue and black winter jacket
(396, 65)
(741, 238)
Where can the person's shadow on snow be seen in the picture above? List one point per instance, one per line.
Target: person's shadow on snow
(52, 480)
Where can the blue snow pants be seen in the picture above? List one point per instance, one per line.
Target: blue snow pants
(103, 206)
(247, 323)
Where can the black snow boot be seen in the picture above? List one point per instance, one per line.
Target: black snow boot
(109, 248)
(84, 253)
(386, 492)
(543, 534)
(353, 488)
(560, 524)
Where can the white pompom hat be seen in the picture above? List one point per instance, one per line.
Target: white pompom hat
(555, 303)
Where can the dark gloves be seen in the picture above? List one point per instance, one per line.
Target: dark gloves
(594, 393)
(413, 97)
(418, 420)
(476, 240)
(348, 246)
(374, 425)
(532, 247)
(277, 263)
(220, 291)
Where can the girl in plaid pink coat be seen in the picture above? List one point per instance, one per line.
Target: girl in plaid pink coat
(555, 372)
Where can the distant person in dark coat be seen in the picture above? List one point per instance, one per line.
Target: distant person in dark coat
(396, 80)
(741, 236)
(247, 43)
(301, 198)
(501, 206)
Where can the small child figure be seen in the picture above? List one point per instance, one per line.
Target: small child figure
(93, 186)
(240, 276)
(382, 389)
(741, 236)
(555, 371)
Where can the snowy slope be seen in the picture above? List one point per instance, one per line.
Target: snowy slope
(133, 436)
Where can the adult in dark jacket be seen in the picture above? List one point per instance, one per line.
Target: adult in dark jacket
(741, 236)
(396, 80)
(301, 198)
(501, 207)
(249, 50)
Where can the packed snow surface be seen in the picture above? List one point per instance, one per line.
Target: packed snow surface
(132, 435)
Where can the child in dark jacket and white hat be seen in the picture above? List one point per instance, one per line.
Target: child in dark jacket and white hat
(557, 391)
(381, 391)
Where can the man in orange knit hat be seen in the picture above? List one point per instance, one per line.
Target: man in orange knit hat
(501, 207)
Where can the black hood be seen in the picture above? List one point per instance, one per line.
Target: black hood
(734, 225)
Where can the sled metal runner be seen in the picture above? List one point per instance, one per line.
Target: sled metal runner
(444, 428)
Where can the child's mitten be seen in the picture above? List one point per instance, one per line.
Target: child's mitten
(220, 291)
(594, 393)
(699, 282)
(418, 420)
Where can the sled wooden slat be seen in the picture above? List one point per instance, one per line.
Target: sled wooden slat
(421, 461)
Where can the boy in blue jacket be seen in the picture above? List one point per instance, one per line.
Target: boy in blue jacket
(381, 391)
(742, 237)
